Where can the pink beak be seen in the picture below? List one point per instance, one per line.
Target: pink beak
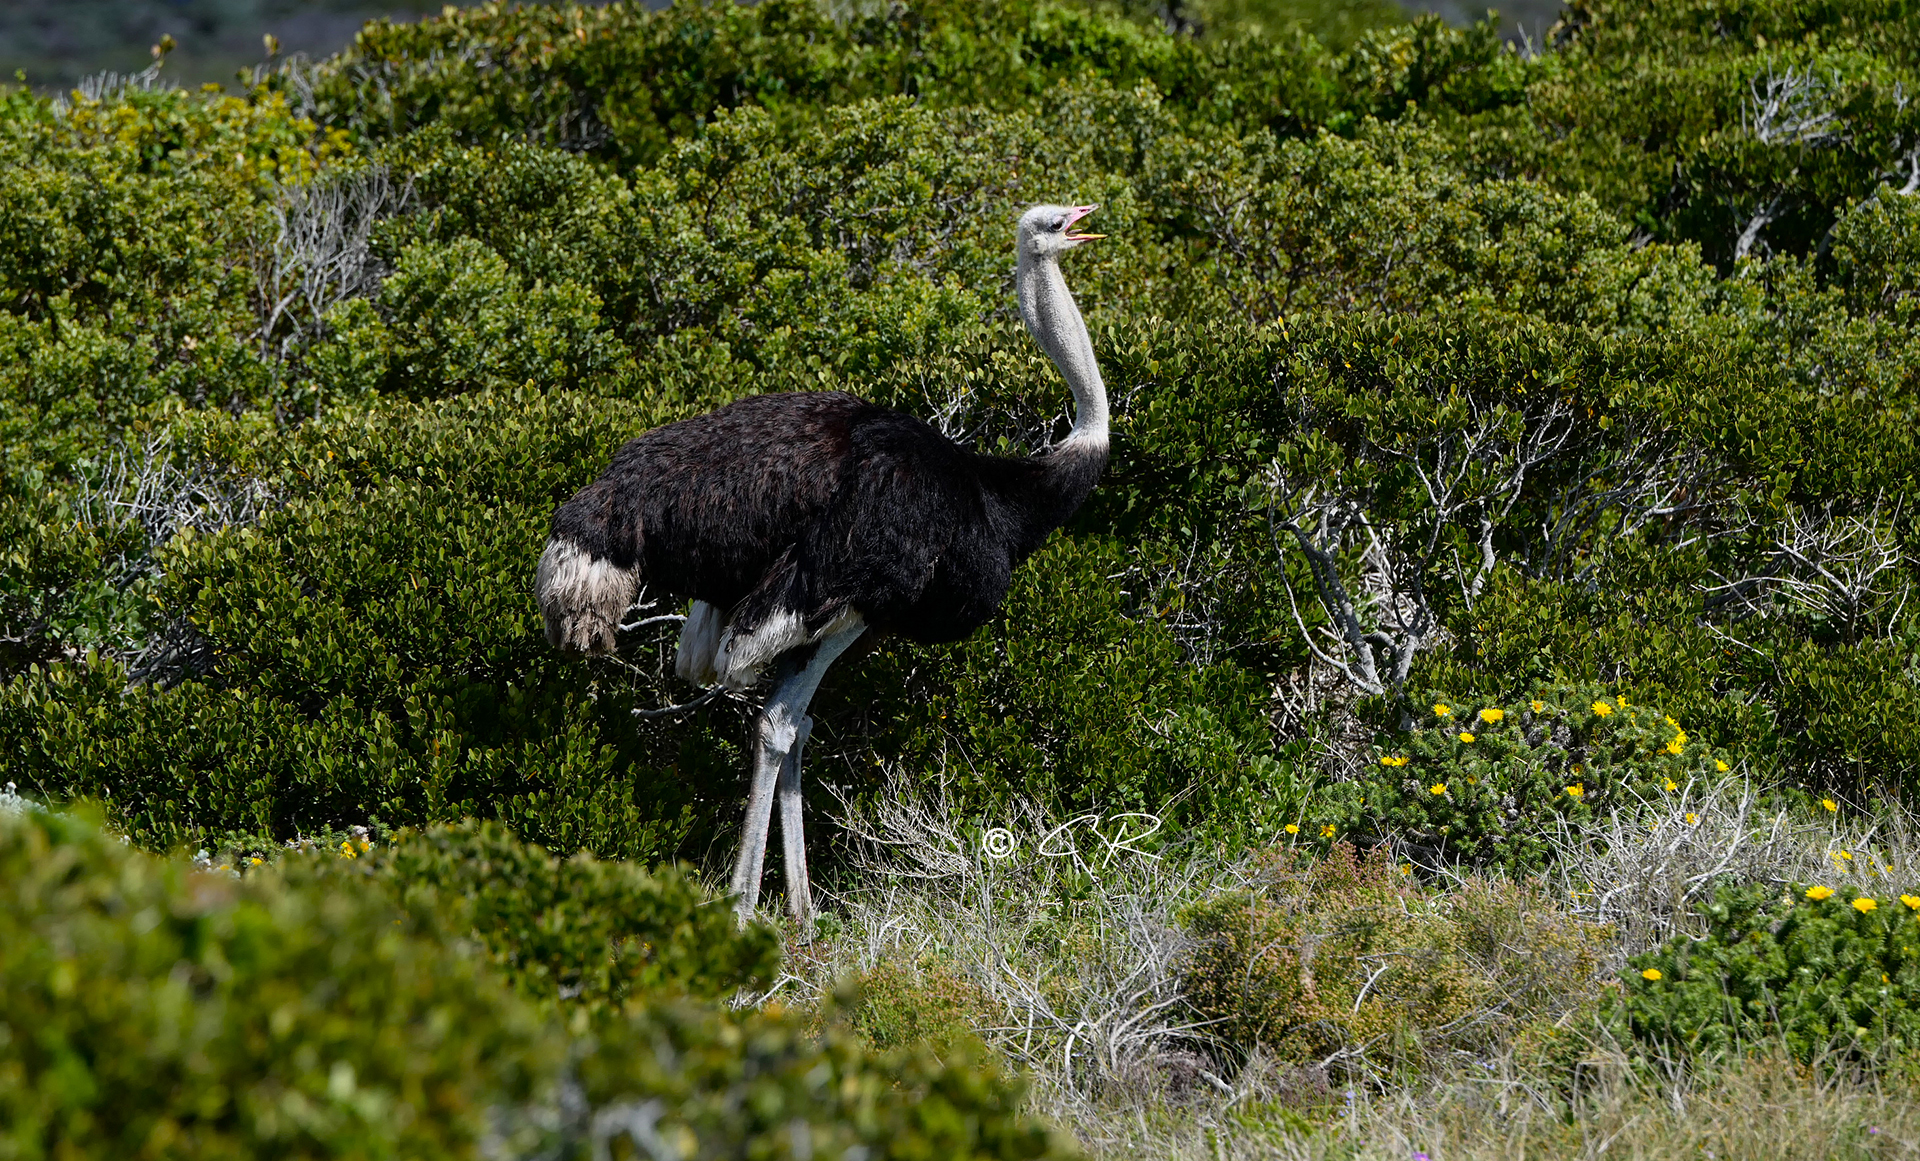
(1078, 213)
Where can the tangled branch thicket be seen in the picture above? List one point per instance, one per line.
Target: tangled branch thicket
(151, 487)
(164, 492)
(1467, 483)
(1071, 941)
(321, 254)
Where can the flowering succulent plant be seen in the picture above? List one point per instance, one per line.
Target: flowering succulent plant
(1486, 796)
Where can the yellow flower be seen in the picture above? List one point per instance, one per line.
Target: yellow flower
(1864, 905)
(1678, 744)
(1672, 785)
(1466, 737)
(1692, 818)
(1441, 711)
(1650, 974)
(1912, 902)
(347, 851)
(1720, 765)
(1293, 828)
(1818, 893)
(1491, 716)
(1393, 759)
(1671, 722)
(1622, 700)
(1830, 804)
(1847, 855)
(1437, 789)
(1537, 706)
(1577, 790)
(1407, 869)
(1326, 831)
(255, 860)
(1602, 708)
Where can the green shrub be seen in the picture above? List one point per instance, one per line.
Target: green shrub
(1817, 971)
(898, 1004)
(452, 319)
(732, 1087)
(1495, 785)
(149, 1010)
(325, 1006)
(1007, 694)
(1337, 957)
(624, 82)
(579, 929)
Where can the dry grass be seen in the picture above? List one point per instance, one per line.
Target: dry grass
(1768, 1108)
(1066, 956)
(1647, 869)
(1070, 940)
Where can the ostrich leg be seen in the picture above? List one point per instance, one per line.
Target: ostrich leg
(782, 733)
(793, 839)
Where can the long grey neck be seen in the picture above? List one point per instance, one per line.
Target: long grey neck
(1055, 323)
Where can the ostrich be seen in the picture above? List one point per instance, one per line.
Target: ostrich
(797, 522)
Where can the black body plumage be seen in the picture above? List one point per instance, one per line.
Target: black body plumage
(816, 502)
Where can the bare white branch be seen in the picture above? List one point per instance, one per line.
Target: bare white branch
(1792, 108)
(1382, 610)
(1848, 571)
(321, 254)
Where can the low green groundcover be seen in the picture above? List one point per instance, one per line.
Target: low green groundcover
(322, 1006)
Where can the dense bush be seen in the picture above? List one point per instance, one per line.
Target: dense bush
(1499, 785)
(1436, 366)
(900, 1003)
(590, 932)
(149, 1009)
(1820, 971)
(326, 1006)
(1337, 956)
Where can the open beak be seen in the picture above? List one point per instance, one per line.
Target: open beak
(1078, 213)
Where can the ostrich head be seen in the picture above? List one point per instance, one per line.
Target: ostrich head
(1047, 231)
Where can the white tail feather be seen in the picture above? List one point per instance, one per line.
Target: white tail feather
(741, 657)
(694, 660)
(582, 597)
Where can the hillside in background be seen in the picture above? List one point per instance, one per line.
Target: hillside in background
(57, 44)
(1480, 701)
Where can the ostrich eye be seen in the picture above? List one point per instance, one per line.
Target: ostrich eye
(1059, 223)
